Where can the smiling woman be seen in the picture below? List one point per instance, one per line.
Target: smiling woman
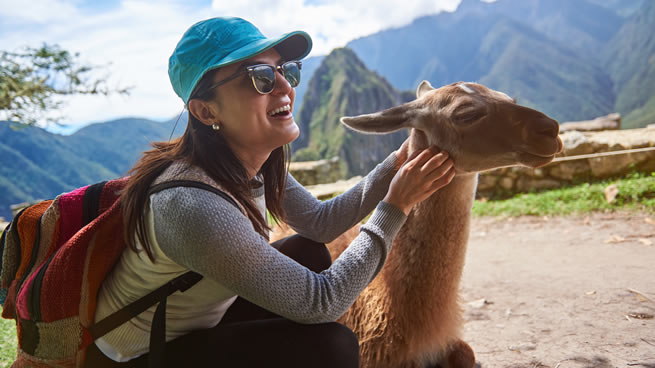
(257, 304)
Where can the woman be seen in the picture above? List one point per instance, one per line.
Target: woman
(257, 304)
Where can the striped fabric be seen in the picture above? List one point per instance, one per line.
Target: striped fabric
(55, 255)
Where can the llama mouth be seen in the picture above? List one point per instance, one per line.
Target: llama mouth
(552, 151)
(535, 160)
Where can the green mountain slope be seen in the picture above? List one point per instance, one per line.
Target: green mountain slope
(37, 164)
(630, 60)
(343, 86)
(118, 144)
(576, 24)
(516, 46)
(543, 75)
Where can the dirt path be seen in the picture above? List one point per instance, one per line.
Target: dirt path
(561, 292)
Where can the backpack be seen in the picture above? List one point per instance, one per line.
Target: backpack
(54, 256)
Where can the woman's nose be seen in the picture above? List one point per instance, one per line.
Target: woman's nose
(281, 84)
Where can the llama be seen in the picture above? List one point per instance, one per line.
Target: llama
(409, 316)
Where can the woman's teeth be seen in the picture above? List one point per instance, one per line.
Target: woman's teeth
(279, 110)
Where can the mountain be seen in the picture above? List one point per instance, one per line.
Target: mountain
(543, 75)
(487, 42)
(40, 165)
(309, 66)
(577, 24)
(624, 8)
(343, 86)
(630, 60)
(573, 59)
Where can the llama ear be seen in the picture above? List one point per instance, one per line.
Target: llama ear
(423, 88)
(386, 121)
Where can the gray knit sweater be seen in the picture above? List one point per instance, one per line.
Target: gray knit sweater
(194, 229)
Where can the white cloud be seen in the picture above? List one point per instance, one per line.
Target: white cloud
(137, 36)
(334, 23)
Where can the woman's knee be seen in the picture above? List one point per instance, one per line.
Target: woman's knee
(309, 253)
(337, 345)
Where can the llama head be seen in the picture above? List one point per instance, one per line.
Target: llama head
(480, 128)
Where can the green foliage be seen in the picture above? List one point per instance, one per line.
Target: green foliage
(32, 82)
(306, 154)
(636, 191)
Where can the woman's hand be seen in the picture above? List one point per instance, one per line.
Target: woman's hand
(401, 154)
(422, 174)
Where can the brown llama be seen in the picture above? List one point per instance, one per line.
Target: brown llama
(410, 316)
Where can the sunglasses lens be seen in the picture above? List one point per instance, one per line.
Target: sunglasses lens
(263, 77)
(292, 73)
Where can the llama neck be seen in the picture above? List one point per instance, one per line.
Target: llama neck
(426, 261)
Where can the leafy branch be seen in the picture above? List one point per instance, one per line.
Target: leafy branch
(34, 80)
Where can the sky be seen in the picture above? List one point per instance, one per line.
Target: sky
(131, 40)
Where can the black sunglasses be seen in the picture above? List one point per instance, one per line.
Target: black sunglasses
(263, 75)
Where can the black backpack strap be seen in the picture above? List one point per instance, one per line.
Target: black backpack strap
(160, 295)
(181, 283)
(91, 202)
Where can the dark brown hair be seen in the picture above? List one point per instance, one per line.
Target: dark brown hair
(206, 148)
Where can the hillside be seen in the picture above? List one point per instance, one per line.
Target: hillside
(577, 24)
(566, 57)
(39, 165)
(630, 59)
(543, 75)
(624, 8)
(343, 86)
(517, 46)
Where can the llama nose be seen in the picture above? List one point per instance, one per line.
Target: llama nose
(548, 127)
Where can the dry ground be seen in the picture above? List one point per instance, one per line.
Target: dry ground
(561, 291)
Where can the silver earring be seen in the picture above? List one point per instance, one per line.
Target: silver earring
(216, 127)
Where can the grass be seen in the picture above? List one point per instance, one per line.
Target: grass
(636, 192)
(7, 342)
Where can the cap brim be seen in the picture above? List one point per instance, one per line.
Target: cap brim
(291, 46)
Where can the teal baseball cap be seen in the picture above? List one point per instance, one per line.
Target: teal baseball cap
(217, 42)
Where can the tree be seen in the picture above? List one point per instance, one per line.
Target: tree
(34, 81)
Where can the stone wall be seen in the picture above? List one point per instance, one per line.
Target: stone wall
(317, 172)
(520, 179)
(608, 122)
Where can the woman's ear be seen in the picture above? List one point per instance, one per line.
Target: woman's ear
(202, 110)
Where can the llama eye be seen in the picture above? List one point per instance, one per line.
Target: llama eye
(468, 115)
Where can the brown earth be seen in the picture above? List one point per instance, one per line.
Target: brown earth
(561, 291)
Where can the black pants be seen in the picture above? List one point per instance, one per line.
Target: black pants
(250, 336)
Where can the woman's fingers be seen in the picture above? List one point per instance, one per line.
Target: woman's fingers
(418, 159)
(440, 170)
(445, 179)
(428, 162)
(423, 173)
(435, 162)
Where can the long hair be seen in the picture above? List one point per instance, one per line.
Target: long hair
(207, 149)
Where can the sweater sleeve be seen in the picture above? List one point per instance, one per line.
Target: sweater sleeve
(324, 221)
(203, 232)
